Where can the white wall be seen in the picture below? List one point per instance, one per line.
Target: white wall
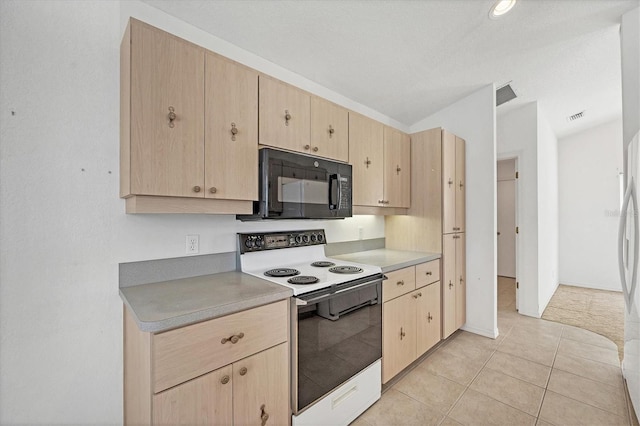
(473, 119)
(517, 137)
(589, 191)
(547, 212)
(63, 228)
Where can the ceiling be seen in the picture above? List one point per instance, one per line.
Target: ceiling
(409, 59)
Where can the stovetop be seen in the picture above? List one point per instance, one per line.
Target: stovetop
(297, 250)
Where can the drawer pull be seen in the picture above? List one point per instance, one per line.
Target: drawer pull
(402, 333)
(429, 273)
(450, 284)
(224, 380)
(429, 317)
(233, 339)
(243, 371)
(264, 416)
(400, 282)
(415, 296)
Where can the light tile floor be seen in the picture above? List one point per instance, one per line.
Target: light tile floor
(535, 373)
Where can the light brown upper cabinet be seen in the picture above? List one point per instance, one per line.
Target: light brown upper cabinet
(284, 116)
(163, 145)
(231, 130)
(453, 183)
(188, 127)
(366, 155)
(397, 170)
(381, 160)
(329, 130)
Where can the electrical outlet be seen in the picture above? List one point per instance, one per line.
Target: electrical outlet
(193, 244)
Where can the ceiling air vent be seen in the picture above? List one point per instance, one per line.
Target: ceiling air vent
(576, 116)
(504, 94)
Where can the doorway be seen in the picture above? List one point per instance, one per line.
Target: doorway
(506, 189)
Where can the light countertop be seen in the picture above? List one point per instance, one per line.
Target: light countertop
(389, 260)
(165, 305)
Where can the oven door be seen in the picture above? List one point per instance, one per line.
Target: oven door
(335, 335)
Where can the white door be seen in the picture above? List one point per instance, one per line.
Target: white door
(507, 228)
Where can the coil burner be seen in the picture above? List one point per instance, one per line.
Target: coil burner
(345, 270)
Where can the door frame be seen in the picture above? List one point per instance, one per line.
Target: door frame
(512, 155)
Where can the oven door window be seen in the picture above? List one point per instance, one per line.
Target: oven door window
(336, 340)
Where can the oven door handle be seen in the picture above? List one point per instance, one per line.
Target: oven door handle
(302, 302)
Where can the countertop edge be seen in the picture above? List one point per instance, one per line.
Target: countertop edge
(409, 263)
(205, 314)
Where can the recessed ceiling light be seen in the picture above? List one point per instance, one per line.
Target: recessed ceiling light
(500, 8)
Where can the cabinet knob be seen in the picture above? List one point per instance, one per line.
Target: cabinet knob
(213, 190)
(234, 131)
(367, 162)
(415, 296)
(234, 338)
(224, 380)
(196, 189)
(401, 282)
(380, 201)
(398, 170)
(331, 131)
(450, 182)
(429, 317)
(450, 285)
(264, 416)
(315, 149)
(402, 333)
(306, 147)
(172, 117)
(243, 371)
(287, 117)
(429, 273)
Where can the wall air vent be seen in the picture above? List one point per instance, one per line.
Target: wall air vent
(504, 94)
(576, 116)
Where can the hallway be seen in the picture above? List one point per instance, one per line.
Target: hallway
(536, 372)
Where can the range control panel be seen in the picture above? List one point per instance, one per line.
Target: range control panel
(276, 240)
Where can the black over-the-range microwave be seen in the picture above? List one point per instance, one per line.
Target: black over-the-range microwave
(298, 186)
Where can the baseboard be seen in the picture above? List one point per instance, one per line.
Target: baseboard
(492, 334)
(592, 286)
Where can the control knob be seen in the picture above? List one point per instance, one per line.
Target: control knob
(249, 243)
(305, 238)
(298, 239)
(320, 238)
(259, 243)
(313, 238)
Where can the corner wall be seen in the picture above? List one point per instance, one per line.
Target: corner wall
(473, 119)
(589, 164)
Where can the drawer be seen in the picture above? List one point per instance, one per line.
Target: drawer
(400, 282)
(427, 273)
(184, 353)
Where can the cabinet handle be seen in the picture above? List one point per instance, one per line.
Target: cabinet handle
(456, 229)
(450, 182)
(331, 131)
(243, 371)
(224, 380)
(380, 201)
(367, 162)
(306, 147)
(234, 131)
(264, 416)
(415, 296)
(461, 185)
(461, 281)
(172, 117)
(234, 338)
(429, 273)
(315, 149)
(450, 285)
(429, 317)
(213, 190)
(401, 282)
(287, 117)
(196, 189)
(398, 169)
(402, 333)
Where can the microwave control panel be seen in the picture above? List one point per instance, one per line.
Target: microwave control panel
(271, 241)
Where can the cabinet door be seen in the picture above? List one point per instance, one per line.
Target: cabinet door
(461, 283)
(460, 185)
(329, 130)
(397, 171)
(284, 113)
(448, 285)
(449, 183)
(398, 335)
(366, 154)
(428, 325)
(261, 386)
(205, 400)
(167, 150)
(231, 130)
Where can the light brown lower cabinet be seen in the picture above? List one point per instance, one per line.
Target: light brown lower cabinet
(454, 296)
(232, 370)
(243, 393)
(411, 321)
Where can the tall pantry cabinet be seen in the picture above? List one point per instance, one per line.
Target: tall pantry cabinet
(436, 220)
